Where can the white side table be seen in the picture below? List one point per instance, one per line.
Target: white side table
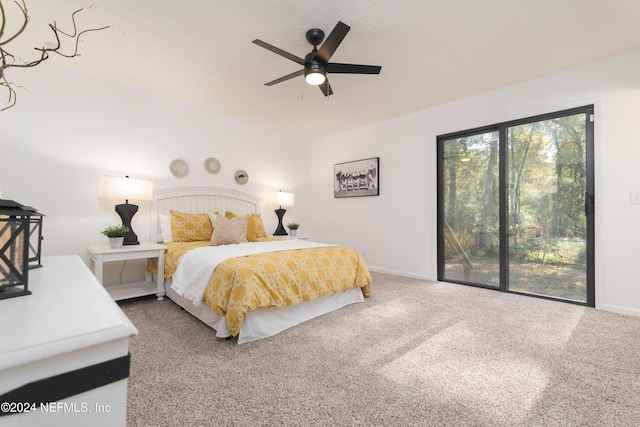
(289, 237)
(100, 254)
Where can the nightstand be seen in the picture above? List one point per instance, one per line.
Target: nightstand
(100, 254)
(301, 237)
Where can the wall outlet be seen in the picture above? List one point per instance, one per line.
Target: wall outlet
(634, 197)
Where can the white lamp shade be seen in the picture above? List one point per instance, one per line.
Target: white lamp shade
(113, 187)
(280, 198)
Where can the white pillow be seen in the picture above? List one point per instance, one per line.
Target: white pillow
(230, 231)
(165, 228)
(212, 218)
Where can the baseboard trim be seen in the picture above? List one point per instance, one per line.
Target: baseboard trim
(400, 273)
(620, 310)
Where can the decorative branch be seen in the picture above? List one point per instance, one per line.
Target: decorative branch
(8, 60)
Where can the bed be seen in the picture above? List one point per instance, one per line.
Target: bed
(254, 289)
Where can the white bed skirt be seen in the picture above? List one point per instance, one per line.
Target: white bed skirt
(266, 322)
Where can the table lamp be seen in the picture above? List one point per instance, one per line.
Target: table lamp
(112, 187)
(282, 200)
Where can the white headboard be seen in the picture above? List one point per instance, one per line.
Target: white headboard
(199, 200)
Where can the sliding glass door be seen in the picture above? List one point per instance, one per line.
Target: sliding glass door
(515, 206)
(470, 222)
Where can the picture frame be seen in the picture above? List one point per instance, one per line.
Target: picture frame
(357, 178)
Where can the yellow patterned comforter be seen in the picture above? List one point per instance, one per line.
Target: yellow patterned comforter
(275, 279)
(171, 256)
(278, 279)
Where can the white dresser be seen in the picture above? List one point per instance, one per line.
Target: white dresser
(65, 346)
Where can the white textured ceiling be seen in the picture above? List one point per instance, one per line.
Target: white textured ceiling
(199, 52)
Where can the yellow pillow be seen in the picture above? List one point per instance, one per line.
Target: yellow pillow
(187, 227)
(230, 214)
(255, 228)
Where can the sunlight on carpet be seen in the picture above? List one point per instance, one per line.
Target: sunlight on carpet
(492, 367)
(457, 361)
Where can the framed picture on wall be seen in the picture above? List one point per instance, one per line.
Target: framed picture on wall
(357, 178)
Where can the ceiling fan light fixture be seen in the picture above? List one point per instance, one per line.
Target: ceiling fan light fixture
(314, 73)
(315, 79)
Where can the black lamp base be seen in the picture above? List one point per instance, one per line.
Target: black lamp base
(280, 231)
(126, 212)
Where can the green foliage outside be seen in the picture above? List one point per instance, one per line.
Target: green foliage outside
(545, 173)
(546, 168)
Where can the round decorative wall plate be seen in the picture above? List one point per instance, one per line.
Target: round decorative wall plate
(241, 177)
(212, 165)
(179, 168)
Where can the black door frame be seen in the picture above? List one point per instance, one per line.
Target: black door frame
(501, 128)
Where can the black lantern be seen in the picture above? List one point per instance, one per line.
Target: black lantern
(35, 237)
(17, 224)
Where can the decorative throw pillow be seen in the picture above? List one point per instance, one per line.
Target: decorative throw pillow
(187, 227)
(255, 228)
(230, 231)
(230, 214)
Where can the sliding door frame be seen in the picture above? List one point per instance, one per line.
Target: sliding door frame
(503, 167)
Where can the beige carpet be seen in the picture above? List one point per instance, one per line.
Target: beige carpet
(416, 353)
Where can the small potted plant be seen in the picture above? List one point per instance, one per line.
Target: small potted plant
(115, 233)
(293, 228)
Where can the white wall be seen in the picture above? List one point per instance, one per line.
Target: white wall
(397, 229)
(68, 129)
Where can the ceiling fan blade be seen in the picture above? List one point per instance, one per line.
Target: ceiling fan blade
(333, 67)
(279, 51)
(287, 77)
(332, 42)
(326, 88)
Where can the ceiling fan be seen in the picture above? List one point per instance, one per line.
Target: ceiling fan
(316, 63)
